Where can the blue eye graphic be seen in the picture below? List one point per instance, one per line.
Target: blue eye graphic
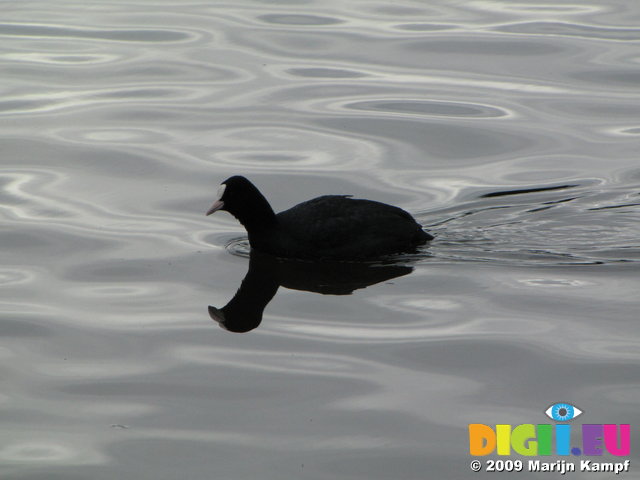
(563, 412)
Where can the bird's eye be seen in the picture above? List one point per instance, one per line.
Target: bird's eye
(220, 193)
(563, 412)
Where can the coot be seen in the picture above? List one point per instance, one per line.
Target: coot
(335, 227)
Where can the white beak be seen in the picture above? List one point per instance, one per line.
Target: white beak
(217, 205)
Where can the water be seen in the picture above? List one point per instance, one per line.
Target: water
(510, 129)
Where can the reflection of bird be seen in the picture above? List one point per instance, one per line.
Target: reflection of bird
(330, 227)
(266, 273)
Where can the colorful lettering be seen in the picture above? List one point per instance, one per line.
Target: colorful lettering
(530, 440)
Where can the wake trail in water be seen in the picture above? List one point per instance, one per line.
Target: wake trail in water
(556, 225)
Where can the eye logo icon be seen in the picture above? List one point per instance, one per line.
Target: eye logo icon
(562, 412)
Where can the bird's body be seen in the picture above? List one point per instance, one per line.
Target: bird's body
(332, 227)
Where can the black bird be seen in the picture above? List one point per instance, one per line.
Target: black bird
(331, 227)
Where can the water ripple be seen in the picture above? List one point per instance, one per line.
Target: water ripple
(536, 9)
(325, 72)
(423, 107)
(43, 452)
(293, 19)
(117, 35)
(110, 135)
(424, 27)
(498, 47)
(559, 228)
(54, 59)
(572, 30)
(256, 147)
(53, 102)
(15, 276)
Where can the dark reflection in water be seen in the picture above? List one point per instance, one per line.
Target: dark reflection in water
(267, 273)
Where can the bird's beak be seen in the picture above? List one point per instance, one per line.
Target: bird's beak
(217, 315)
(217, 205)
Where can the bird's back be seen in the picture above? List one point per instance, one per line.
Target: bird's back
(340, 227)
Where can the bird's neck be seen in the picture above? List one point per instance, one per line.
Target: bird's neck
(255, 215)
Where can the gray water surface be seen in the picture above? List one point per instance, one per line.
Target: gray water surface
(509, 129)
